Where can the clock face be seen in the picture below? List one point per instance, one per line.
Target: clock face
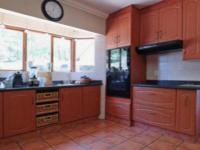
(52, 9)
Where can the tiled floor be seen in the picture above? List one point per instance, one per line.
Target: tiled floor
(99, 135)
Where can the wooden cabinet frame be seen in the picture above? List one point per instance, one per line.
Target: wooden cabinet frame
(52, 36)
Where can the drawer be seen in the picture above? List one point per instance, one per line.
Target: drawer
(164, 118)
(47, 120)
(118, 107)
(47, 97)
(46, 108)
(158, 97)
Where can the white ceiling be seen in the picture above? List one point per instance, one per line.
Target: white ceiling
(109, 6)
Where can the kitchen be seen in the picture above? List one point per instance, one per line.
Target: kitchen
(99, 75)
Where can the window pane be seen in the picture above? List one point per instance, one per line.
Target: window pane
(85, 55)
(62, 54)
(11, 49)
(39, 51)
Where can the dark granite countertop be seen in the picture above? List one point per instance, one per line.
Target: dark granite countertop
(53, 86)
(190, 85)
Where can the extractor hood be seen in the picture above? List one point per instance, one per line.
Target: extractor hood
(160, 47)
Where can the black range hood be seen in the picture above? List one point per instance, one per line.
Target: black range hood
(160, 47)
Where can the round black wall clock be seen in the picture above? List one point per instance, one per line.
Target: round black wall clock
(52, 10)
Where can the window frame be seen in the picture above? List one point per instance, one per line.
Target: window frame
(52, 36)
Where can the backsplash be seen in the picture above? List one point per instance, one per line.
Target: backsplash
(171, 66)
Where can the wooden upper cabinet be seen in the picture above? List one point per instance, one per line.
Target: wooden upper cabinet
(149, 27)
(19, 112)
(124, 30)
(170, 22)
(1, 115)
(161, 22)
(91, 101)
(191, 30)
(111, 33)
(186, 111)
(70, 104)
(119, 29)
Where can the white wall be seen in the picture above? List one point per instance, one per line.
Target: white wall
(171, 66)
(73, 17)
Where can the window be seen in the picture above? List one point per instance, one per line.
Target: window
(39, 51)
(11, 49)
(62, 55)
(85, 55)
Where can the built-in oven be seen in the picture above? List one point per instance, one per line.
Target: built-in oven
(118, 72)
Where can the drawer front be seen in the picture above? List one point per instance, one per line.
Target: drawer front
(47, 97)
(158, 97)
(164, 118)
(46, 108)
(47, 120)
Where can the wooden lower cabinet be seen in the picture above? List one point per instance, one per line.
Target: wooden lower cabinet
(118, 107)
(164, 118)
(18, 112)
(91, 101)
(173, 109)
(186, 111)
(1, 115)
(70, 104)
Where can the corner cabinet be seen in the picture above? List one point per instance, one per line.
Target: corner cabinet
(1, 115)
(119, 29)
(161, 22)
(186, 111)
(19, 112)
(191, 30)
(70, 104)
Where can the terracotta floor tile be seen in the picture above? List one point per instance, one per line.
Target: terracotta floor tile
(162, 145)
(68, 146)
(182, 148)
(55, 138)
(101, 133)
(129, 145)
(36, 145)
(89, 129)
(9, 146)
(144, 139)
(172, 140)
(85, 140)
(127, 133)
(55, 129)
(99, 146)
(153, 134)
(191, 146)
(114, 139)
(136, 129)
(74, 133)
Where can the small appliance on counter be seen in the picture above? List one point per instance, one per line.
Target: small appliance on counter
(33, 80)
(83, 80)
(17, 80)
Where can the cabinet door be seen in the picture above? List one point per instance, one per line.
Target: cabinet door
(19, 112)
(191, 30)
(1, 115)
(91, 101)
(124, 30)
(70, 104)
(149, 27)
(186, 102)
(111, 33)
(170, 22)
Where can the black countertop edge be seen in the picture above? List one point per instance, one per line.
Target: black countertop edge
(193, 85)
(54, 86)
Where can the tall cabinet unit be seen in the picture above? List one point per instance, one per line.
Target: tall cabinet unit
(19, 112)
(122, 31)
(191, 30)
(161, 22)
